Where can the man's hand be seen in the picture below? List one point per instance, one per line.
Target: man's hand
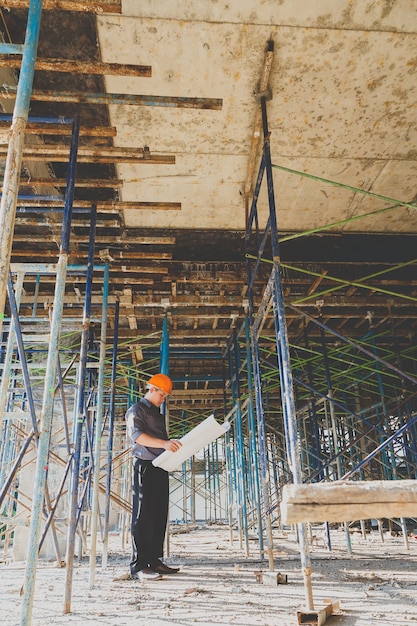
(172, 445)
(152, 442)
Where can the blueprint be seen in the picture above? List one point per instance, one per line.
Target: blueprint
(200, 436)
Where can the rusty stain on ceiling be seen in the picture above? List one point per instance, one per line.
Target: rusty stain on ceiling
(173, 176)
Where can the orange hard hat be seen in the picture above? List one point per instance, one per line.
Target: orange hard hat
(162, 381)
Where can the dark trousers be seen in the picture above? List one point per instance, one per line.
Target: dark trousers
(149, 514)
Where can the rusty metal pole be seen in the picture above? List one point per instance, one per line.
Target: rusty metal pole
(15, 147)
(80, 420)
(49, 389)
(95, 509)
(110, 440)
(284, 361)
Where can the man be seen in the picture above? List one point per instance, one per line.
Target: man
(147, 433)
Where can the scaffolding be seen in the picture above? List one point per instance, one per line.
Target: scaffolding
(319, 409)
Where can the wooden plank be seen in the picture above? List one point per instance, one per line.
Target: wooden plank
(91, 183)
(341, 501)
(84, 6)
(103, 206)
(181, 102)
(38, 128)
(318, 617)
(271, 578)
(72, 66)
(91, 154)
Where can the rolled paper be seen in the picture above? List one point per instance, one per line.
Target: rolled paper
(194, 441)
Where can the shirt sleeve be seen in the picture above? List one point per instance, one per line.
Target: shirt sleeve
(134, 423)
(144, 418)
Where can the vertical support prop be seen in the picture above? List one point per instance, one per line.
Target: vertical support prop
(252, 438)
(15, 146)
(241, 476)
(8, 352)
(49, 390)
(110, 438)
(95, 512)
(164, 369)
(284, 358)
(80, 418)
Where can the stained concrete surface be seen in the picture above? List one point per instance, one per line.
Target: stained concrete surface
(218, 584)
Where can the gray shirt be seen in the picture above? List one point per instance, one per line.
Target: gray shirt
(145, 417)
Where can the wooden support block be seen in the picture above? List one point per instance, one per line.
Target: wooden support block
(271, 578)
(317, 617)
(347, 501)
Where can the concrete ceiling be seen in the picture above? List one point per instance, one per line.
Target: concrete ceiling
(343, 107)
(340, 78)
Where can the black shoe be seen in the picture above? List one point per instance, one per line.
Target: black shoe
(147, 573)
(161, 568)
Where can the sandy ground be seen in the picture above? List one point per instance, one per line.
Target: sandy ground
(217, 584)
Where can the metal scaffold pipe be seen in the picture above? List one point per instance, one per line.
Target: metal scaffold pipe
(15, 146)
(95, 512)
(80, 419)
(253, 452)
(285, 367)
(273, 296)
(110, 438)
(48, 396)
(366, 192)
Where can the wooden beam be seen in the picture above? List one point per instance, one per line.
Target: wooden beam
(37, 128)
(256, 136)
(183, 394)
(33, 221)
(182, 336)
(84, 6)
(91, 154)
(181, 102)
(346, 501)
(135, 256)
(72, 66)
(139, 269)
(109, 206)
(316, 283)
(91, 183)
(318, 616)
